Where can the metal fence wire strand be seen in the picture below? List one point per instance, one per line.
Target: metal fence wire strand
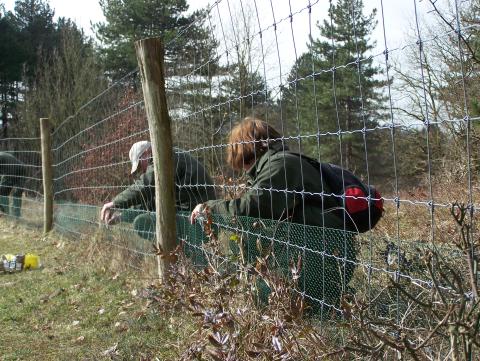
(269, 84)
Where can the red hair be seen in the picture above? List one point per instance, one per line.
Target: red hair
(249, 140)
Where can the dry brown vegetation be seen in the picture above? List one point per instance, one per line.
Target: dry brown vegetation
(429, 313)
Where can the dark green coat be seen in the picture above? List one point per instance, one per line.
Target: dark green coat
(12, 181)
(193, 185)
(274, 191)
(12, 173)
(275, 185)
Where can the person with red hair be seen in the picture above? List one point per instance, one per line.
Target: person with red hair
(278, 182)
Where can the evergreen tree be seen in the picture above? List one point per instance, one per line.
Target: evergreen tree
(52, 63)
(24, 34)
(10, 65)
(332, 89)
(10, 45)
(191, 65)
(246, 91)
(192, 87)
(131, 20)
(34, 19)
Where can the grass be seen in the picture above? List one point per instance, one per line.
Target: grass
(78, 306)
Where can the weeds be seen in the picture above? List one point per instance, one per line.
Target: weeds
(441, 319)
(231, 322)
(85, 304)
(214, 312)
(426, 321)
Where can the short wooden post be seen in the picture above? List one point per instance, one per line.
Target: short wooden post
(47, 172)
(150, 55)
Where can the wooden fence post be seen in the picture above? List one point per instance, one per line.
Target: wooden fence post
(150, 55)
(47, 173)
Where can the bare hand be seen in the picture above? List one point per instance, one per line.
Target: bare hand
(197, 211)
(107, 213)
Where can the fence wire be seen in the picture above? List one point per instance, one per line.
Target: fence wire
(21, 192)
(383, 110)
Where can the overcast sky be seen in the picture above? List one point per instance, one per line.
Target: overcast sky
(398, 14)
(291, 38)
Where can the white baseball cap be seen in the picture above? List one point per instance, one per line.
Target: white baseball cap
(136, 152)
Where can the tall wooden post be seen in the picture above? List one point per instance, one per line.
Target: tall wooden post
(150, 55)
(47, 172)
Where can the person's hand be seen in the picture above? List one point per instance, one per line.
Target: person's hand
(107, 214)
(197, 211)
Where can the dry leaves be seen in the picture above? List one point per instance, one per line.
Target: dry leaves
(112, 351)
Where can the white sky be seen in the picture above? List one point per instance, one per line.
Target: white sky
(82, 12)
(399, 17)
(398, 14)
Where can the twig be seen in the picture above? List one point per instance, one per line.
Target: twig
(441, 323)
(467, 44)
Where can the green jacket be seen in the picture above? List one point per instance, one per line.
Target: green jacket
(274, 191)
(12, 173)
(193, 185)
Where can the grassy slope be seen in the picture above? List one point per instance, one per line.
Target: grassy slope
(76, 308)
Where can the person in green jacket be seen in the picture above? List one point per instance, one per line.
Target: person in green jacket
(12, 182)
(277, 183)
(136, 203)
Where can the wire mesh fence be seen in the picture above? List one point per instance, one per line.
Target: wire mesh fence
(332, 85)
(90, 151)
(21, 193)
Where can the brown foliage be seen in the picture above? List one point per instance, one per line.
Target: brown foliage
(103, 168)
(231, 323)
(440, 318)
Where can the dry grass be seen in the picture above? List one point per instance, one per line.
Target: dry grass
(85, 304)
(415, 220)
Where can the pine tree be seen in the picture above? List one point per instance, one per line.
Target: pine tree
(34, 19)
(332, 90)
(25, 35)
(246, 91)
(10, 44)
(10, 66)
(131, 20)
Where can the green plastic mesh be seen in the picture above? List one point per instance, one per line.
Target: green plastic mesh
(327, 256)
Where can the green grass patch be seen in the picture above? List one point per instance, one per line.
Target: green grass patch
(78, 306)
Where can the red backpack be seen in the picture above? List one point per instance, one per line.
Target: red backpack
(363, 204)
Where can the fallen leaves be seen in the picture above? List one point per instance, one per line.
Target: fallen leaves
(79, 340)
(59, 245)
(54, 294)
(112, 351)
(121, 327)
